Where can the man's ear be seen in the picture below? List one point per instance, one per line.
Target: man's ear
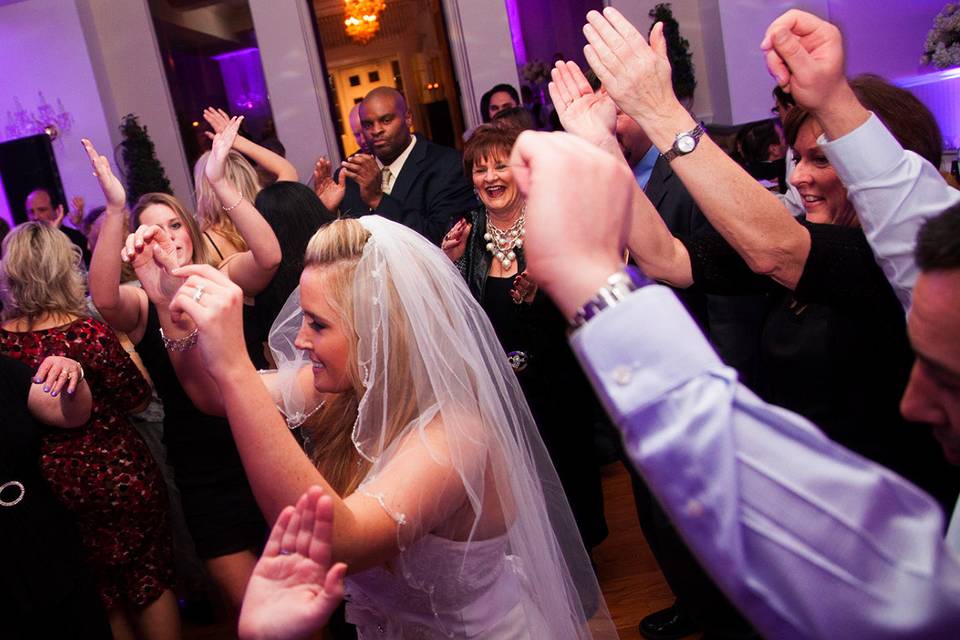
(409, 120)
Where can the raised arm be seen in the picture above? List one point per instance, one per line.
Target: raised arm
(252, 270)
(123, 307)
(279, 471)
(894, 191)
(751, 219)
(272, 162)
(593, 116)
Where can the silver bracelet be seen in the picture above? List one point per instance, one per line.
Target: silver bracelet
(235, 204)
(185, 343)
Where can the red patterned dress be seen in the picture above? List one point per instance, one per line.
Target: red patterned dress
(103, 471)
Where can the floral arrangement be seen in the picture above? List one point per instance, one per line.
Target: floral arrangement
(942, 46)
(535, 72)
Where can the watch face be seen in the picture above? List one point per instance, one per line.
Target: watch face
(686, 143)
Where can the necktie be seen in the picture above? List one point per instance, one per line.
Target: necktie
(385, 179)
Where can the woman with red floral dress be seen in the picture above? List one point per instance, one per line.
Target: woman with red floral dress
(103, 471)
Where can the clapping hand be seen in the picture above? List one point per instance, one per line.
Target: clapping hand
(222, 143)
(329, 191)
(110, 185)
(583, 112)
(293, 589)
(363, 168)
(455, 242)
(218, 119)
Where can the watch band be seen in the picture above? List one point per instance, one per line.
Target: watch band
(618, 287)
(675, 151)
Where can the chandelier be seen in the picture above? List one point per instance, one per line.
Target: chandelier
(363, 18)
(46, 119)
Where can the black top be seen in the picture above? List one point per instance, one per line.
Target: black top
(835, 350)
(43, 559)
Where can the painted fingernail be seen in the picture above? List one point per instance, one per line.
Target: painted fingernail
(37, 380)
(53, 394)
(46, 388)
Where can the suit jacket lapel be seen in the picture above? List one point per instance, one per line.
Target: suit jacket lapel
(411, 169)
(656, 186)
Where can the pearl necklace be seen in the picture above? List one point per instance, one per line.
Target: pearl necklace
(502, 242)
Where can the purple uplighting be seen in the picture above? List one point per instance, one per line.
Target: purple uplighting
(940, 91)
(244, 81)
(516, 32)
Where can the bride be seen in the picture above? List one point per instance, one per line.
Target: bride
(447, 510)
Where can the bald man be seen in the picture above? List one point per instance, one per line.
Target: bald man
(405, 177)
(41, 206)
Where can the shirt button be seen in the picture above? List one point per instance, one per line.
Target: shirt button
(622, 375)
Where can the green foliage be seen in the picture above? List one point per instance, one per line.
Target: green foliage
(681, 60)
(143, 172)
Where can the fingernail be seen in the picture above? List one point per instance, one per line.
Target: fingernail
(53, 394)
(46, 388)
(37, 380)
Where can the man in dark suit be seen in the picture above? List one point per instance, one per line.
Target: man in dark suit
(407, 179)
(40, 206)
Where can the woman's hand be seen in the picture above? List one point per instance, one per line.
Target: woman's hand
(111, 186)
(59, 374)
(329, 191)
(218, 119)
(454, 244)
(583, 112)
(524, 289)
(293, 589)
(222, 143)
(215, 304)
(153, 256)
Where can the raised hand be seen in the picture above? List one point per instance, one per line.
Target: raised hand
(218, 119)
(570, 254)
(293, 589)
(58, 373)
(220, 149)
(583, 112)
(635, 74)
(154, 257)
(110, 185)
(76, 211)
(363, 168)
(455, 242)
(329, 191)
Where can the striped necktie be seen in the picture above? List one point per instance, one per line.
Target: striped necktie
(385, 180)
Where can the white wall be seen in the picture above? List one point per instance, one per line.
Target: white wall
(129, 74)
(42, 49)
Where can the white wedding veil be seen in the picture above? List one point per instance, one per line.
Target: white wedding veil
(426, 350)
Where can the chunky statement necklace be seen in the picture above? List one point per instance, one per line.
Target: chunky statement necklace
(502, 242)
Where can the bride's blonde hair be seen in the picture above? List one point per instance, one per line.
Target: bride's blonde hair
(336, 250)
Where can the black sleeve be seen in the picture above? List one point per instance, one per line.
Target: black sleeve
(15, 381)
(841, 269)
(718, 269)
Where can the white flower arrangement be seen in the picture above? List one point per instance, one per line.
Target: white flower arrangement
(942, 46)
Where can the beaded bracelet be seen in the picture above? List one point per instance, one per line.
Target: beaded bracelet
(185, 343)
(235, 204)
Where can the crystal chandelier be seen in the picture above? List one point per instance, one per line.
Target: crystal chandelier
(363, 18)
(48, 119)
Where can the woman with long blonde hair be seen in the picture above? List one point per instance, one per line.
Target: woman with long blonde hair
(448, 512)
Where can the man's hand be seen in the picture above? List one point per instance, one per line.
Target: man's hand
(583, 112)
(363, 168)
(804, 54)
(636, 74)
(76, 211)
(329, 191)
(571, 244)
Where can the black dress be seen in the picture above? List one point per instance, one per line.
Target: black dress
(559, 395)
(835, 350)
(46, 589)
(220, 510)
